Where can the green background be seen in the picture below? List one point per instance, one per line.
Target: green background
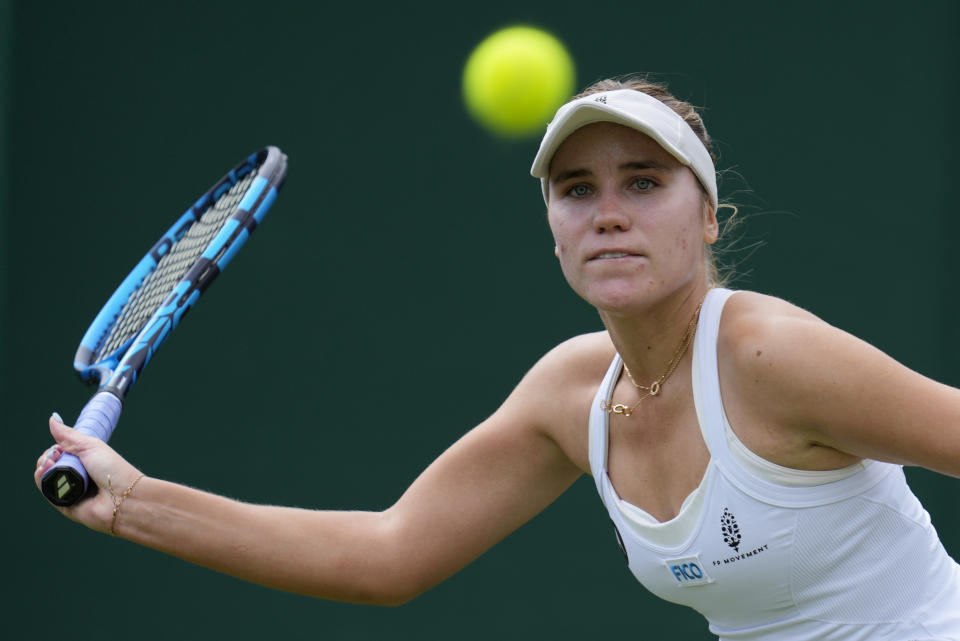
(404, 281)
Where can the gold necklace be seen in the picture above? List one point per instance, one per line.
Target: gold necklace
(654, 388)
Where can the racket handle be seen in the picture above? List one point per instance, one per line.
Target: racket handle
(66, 482)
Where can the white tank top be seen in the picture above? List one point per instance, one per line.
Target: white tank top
(771, 554)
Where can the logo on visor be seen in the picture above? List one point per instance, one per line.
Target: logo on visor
(602, 99)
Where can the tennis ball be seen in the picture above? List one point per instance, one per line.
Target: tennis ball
(516, 79)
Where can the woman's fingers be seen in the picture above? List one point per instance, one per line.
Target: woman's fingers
(53, 453)
(50, 455)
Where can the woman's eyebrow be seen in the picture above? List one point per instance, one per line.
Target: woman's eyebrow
(646, 164)
(573, 173)
(633, 165)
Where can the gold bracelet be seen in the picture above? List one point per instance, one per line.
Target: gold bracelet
(118, 500)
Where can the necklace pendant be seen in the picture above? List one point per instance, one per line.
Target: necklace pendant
(654, 388)
(621, 409)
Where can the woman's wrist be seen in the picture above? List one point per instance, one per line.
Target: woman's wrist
(118, 499)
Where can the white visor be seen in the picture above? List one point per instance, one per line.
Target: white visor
(636, 110)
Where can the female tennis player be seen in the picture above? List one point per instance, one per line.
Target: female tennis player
(748, 453)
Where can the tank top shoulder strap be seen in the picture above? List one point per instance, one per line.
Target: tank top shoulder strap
(599, 422)
(706, 389)
(706, 377)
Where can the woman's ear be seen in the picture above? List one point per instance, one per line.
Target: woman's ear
(711, 228)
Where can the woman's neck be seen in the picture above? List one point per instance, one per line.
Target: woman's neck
(650, 340)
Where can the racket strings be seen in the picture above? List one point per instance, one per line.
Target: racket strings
(171, 269)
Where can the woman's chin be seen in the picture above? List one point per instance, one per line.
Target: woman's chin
(630, 299)
(619, 302)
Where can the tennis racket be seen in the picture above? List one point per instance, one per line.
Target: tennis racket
(153, 298)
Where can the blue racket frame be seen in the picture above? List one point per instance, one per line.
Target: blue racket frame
(67, 482)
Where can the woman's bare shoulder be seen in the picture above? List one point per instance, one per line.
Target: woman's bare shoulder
(554, 398)
(824, 389)
(747, 310)
(757, 331)
(581, 358)
(765, 348)
(752, 321)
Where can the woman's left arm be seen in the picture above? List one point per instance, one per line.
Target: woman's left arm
(829, 389)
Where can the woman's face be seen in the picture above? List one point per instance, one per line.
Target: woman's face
(629, 220)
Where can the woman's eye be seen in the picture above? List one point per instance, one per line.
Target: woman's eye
(644, 184)
(579, 190)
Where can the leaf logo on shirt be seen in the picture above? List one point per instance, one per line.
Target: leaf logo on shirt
(730, 530)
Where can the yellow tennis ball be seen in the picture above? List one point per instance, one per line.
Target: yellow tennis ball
(516, 79)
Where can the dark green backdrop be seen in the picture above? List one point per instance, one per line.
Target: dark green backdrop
(410, 246)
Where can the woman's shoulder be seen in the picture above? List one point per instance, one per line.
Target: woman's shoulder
(811, 396)
(756, 305)
(583, 356)
(762, 335)
(566, 377)
(555, 396)
(771, 353)
(750, 316)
